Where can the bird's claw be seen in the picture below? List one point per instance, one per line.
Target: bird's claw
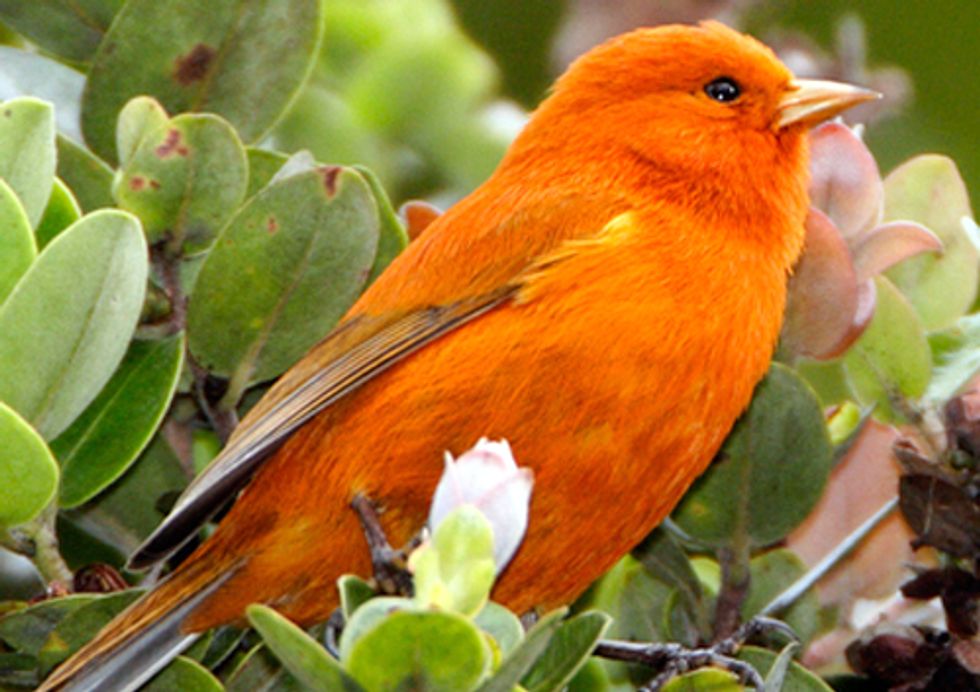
(390, 566)
(672, 659)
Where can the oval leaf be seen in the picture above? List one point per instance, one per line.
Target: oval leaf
(420, 650)
(27, 152)
(282, 273)
(568, 650)
(520, 660)
(186, 675)
(17, 248)
(88, 176)
(844, 179)
(102, 443)
(79, 626)
(929, 190)
(62, 211)
(796, 679)
(823, 292)
(184, 181)
(885, 246)
(301, 655)
(392, 238)
(771, 573)
(240, 59)
(139, 118)
(28, 472)
(773, 469)
(66, 326)
(891, 361)
(71, 30)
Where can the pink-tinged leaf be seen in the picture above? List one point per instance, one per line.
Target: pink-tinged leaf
(417, 215)
(864, 480)
(844, 180)
(823, 294)
(886, 245)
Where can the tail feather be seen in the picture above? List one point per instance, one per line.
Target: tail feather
(142, 639)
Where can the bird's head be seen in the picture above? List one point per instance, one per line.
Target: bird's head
(702, 105)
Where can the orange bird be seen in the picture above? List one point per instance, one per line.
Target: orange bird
(606, 302)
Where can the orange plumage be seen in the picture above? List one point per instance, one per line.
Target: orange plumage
(606, 302)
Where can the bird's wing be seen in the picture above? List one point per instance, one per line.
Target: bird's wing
(359, 350)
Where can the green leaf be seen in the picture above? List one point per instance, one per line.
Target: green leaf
(354, 592)
(260, 670)
(281, 274)
(568, 650)
(27, 152)
(240, 59)
(773, 572)
(128, 510)
(79, 626)
(430, 650)
(186, 675)
(455, 570)
(262, 166)
(891, 361)
(520, 660)
(928, 189)
(89, 178)
(112, 431)
(184, 180)
(393, 238)
(62, 211)
(65, 328)
(71, 29)
(370, 615)
(28, 472)
(502, 625)
(661, 555)
(773, 469)
(956, 352)
(17, 247)
(27, 73)
(705, 680)
(299, 652)
(138, 119)
(798, 678)
(26, 630)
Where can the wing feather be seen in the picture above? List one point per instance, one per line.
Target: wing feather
(355, 353)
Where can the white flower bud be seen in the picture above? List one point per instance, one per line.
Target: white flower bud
(487, 477)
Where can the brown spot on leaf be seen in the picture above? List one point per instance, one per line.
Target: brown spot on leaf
(137, 183)
(330, 174)
(155, 184)
(194, 66)
(271, 224)
(173, 144)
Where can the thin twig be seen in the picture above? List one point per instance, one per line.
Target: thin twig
(830, 560)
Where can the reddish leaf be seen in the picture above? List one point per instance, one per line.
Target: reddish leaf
(886, 245)
(942, 514)
(418, 215)
(844, 180)
(823, 294)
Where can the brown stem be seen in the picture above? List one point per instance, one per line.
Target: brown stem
(734, 589)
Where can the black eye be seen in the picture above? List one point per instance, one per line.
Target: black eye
(723, 89)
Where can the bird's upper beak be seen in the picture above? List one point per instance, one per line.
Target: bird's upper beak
(811, 101)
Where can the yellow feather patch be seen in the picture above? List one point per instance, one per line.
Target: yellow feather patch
(619, 229)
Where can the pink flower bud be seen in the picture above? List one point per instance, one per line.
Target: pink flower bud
(488, 478)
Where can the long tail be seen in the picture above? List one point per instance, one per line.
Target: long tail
(143, 638)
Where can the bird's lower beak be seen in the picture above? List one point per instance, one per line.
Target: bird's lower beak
(811, 101)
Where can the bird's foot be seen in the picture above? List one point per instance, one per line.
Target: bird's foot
(390, 566)
(672, 659)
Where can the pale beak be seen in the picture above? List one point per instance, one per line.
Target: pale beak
(811, 101)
